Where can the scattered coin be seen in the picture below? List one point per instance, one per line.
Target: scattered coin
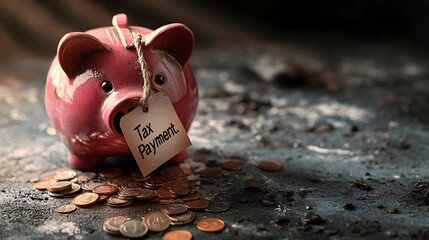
(146, 194)
(59, 186)
(42, 185)
(164, 192)
(173, 173)
(69, 208)
(157, 221)
(113, 223)
(211, 172)
(179, 190)
(92, 184)
(270, 165)
(191, 196)
(130, 184)
(177, 235)
(111, 172)
(198, 204)
(115, 201)
(155, 181)
(75, 188)
(85, 177)
(183, 218)
(85, 199)
(105, 189)
(232, 164)
(129, 192)
(172, 183)
(133, 228)
(65, 175)
(174, 209)
(210, 225)
(218, 206)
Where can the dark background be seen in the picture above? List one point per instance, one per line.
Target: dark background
(33, 28)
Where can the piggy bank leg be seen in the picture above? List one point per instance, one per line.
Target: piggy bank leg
(178, 158)
(86, 162)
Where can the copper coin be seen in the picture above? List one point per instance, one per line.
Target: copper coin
(111, 172)
(65, 175)
(199, 204)
(133, 228)
(66, 208)
(218, 206)
(102, 198)
(174, 209)
(129, 192)
(92, 184)
(173, 173)
(110, 232)
(232, 164)
(59, 186)
(113, 223)
(85, 177)
(183, 218)
(211, 172)
(130, 184)
(191, 196)
(179, 190)
(85, 199)
(164, 192)
(270, 165)
(172, 183)
(146, 194)
(43, 185)
(177, 235)
(157, 221)
(75, 188)
(118, 181)
(210, 225)
(106, 189)
(115, 200)
(156, 181)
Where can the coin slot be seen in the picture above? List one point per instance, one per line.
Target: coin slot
(117, 120)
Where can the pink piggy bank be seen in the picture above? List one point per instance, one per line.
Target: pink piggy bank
(95, 79)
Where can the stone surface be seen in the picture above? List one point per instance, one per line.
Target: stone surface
(338, 120)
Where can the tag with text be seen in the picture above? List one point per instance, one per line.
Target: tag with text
(154, 136)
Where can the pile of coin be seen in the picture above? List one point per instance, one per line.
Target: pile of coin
(176, 199)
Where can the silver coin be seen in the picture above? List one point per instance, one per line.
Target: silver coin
(133, 228)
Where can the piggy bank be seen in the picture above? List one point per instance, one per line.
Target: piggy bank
(95, 79)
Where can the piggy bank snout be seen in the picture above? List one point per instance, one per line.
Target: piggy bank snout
(118, 106)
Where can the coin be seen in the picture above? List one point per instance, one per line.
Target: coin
(146, 194)
(198, 204)
(177, 235)
(102, 198)
(43, 185)
(85, 177)
(85, 199)
(66, 208)
(130, 184)
(174, 209)
(113, 223)
(270, 165)
(179, 190)
(232, 164)
(129, 192)
(116, 201)
(183, 218)
(173, 173)
(210, 225)
(191, 196)
(172, 183)
(155, 181)
(74, 189)
(65, 175)
(111, 172)
(157, 221)
(59, 186)
(211, 172)
(164, 192)
(218, 206)
(105, 189)
(133, 228)
(92, 184)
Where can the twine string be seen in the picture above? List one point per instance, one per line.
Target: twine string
(137, 42)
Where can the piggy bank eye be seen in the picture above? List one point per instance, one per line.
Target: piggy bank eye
(107, 86)
(159, 79)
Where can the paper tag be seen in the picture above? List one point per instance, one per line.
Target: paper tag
(154, 136)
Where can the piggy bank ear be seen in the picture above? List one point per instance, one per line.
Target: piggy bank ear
(74, 48)
(176, 39)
